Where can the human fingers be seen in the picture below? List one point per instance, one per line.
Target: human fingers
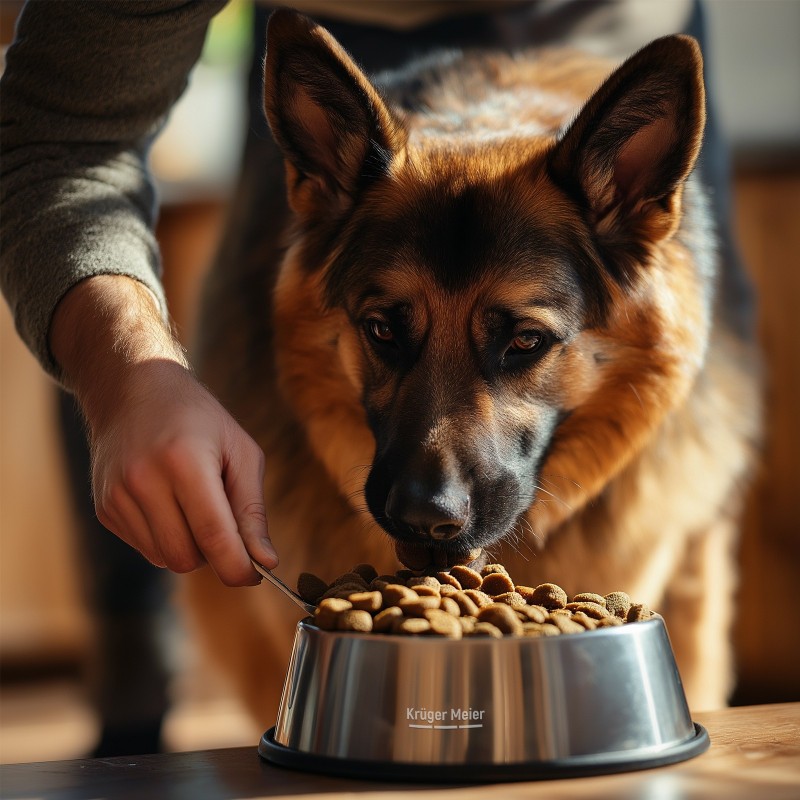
(169, 527)
(201, 494)
(244, 486)
(118, 512)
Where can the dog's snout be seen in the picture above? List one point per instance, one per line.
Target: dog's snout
(440, 515)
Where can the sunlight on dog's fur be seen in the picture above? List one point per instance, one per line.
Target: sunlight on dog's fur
(483, 314)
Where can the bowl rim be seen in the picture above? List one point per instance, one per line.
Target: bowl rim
(616, 630)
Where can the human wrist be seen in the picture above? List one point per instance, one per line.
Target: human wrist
(103, 329)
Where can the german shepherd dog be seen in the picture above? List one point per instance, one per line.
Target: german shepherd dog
(485, 318)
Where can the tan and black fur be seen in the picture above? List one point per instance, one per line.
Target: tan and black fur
(484, 319)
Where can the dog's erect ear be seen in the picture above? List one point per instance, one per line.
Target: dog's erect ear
(634, 143)
(334, 129)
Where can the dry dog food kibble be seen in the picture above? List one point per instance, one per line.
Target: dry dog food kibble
(618, 603)
(460, 602)
(497, 583)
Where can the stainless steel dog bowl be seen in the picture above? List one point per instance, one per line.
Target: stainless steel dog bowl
(424, 708)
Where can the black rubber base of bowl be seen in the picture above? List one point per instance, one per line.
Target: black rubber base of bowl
(580, 766)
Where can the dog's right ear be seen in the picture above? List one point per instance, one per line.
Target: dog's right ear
(334, 129)
(633, 145)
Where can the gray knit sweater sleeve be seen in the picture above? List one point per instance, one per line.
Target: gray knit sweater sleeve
(87, 86)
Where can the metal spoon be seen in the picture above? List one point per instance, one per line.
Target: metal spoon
(277, 582)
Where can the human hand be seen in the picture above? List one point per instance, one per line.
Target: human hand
(173, 473)
(175, 476)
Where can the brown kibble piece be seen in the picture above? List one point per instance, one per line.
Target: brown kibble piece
(412, 626)
(450, 606)
(639, 612)
(366, 601)
(491, 569)
(355, 620)
(526, 592)
(539, 629)
(402, 575)
(350, 579)
(618, 604)
(343, 590)
(486, 629)
(497, 583)
(310, 587)
(418, 607)
(502, 617)
(426, 591)
(532, 613)
(469, 608)
(549, 595)
(448, 591)
(442, 624)
(393, 593)
(326, 621)
(512, 599)
(424, 580)
(445, 559)
(366, 571)
(591, 609)
(384, 620)
(610, 622)
(590, 597)
(446, 579)
(413, 555)
(478, 597)
(468, 578)
(336, 606)
(467, 624)
(565, 624)
(328, 611)
(584, 620)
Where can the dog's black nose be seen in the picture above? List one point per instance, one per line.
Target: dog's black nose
(440, 515)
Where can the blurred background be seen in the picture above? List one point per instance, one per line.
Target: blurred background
(46, 633)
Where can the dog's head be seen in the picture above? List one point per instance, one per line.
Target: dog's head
(491, 323)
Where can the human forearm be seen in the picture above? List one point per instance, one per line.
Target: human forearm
(101, 330)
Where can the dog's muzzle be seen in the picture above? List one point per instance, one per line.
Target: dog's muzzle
(440, 515)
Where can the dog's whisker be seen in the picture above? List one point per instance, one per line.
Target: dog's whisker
(524, 522)
(548, 477)
(636, 394)
(555, 497)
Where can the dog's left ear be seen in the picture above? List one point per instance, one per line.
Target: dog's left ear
(334, 129)
(633, 144)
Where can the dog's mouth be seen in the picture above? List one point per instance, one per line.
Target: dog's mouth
(435, 557)
(437, 520)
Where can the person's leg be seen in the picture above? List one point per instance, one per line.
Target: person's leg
(128, 603)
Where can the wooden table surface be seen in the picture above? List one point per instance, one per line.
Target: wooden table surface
(754, 755)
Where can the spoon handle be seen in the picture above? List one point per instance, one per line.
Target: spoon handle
(277, 582)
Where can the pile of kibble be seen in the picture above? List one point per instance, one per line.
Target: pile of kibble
(459, 602)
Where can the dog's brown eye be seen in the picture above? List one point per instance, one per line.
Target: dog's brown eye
(379, 330)
(526, 342)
